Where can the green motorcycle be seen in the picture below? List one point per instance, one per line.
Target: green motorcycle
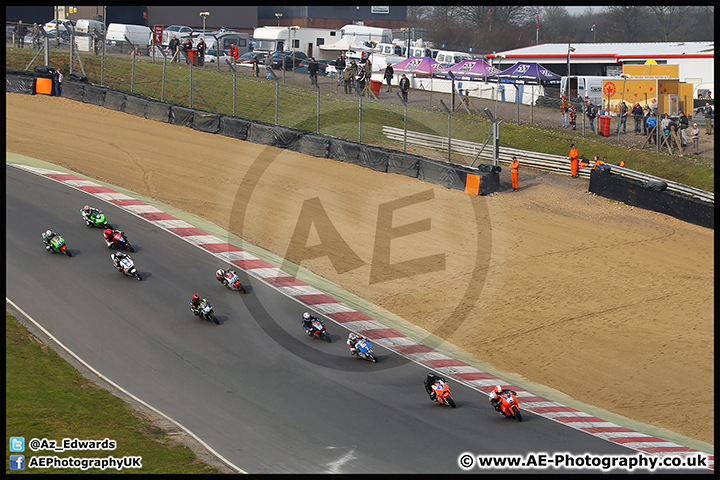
(56, 244)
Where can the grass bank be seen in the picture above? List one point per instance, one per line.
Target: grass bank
(45, 397)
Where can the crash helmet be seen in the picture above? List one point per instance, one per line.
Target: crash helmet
(431, 375)
(220, 273)
(498, 389)
(196, 297)
(352, 336)
(86, 208)
(48, 233)
(107, 233)
(306, 316)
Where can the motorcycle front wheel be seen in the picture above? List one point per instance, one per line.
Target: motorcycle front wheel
(373, 358)
(214, 318)
(67, 252)
(451, 402)
(516, 414)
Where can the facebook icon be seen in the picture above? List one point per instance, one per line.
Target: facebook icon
(17, 462)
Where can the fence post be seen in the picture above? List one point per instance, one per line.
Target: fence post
(449, 129)
(132, 78)
(318, 106)
(405, 123)
(164, 76)
(277, 98)
(191, 84)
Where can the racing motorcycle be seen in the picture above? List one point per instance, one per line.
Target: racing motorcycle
(318, 330)
(363, 349)
(442, 393)
(119, 241)
(509, 406)
(96, 219)
(127, 267)
(57, 244)
(232, 282)
(205, 312)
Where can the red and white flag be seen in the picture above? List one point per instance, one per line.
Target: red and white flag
(537, 21)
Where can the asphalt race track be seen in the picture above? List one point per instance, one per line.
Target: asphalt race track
(255, 388)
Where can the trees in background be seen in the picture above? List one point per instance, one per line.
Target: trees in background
(486, 29)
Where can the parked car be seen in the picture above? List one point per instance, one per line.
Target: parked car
(211, 56)
(246, 59)
(51, 25)
(285, 59)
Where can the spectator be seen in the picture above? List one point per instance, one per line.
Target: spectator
(654, 107)
(665, 125)
(709, 95)
(651, 124)
(361, 79)
(573, 160)
(622, 120)
(564, 104)
(313, 68)
(684, 123)
(388, 75)
(255, 64)
(368, 69)
(514, 167)
(591, 115)
(20, 31)
(36, 36)
(340, 66)
(349, 76)
(268, 66)
(96, 40)
(602, 111)
(187, 46)
(695, 135)
(637, 114)
(174, 45)
(646, 114)
(404, 87)
(708, 112)
(59, 79)
(201, 53)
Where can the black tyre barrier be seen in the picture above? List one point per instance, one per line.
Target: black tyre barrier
(115, 100)
(640, 194)
(206, 122)
(274, 135)
(93, 94)
(234, 127)
(74, 91)
(403, 164)
(313, 145)
(158, 111)
(135, 106)
(446, 175)
(181, 116)
(77, 77)
(20, 82)
(45, 71)
(489, 168)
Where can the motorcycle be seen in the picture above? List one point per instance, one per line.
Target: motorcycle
(205, 312)
(119, 241)
(363, 349)
(318, 330)
(442, 393)
(509, 406)
(127, 267)
(57, 244)
(96, 220)
(232, 282)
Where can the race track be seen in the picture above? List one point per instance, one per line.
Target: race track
(255, 388)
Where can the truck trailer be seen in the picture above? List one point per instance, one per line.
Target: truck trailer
(306, 40)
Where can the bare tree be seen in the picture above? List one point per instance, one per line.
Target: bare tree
(554, 24)
(667, 19)
(627, 22)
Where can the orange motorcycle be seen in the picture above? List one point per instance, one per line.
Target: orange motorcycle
(509, 405)
(442, 393)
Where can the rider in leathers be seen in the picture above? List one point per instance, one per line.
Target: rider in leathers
(429, 382)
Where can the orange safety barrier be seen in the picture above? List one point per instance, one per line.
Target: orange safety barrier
(472, 184)
(44, 86)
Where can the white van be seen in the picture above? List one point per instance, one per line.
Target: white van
(84, 25)
(589, 86)
(138, 35)
(450, 58)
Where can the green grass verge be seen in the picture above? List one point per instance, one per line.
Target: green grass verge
(45, 397)
(254, 99)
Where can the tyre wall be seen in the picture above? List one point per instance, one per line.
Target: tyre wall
(473, 181)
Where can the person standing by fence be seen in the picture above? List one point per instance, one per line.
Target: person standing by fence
(708, 112)
(20, 31)
(313, 68)
(637, 113)
(591, 113)
(564, 104)
(404, 87)
(622, 118)
(340, 67)
(695, 135)
(389, 72)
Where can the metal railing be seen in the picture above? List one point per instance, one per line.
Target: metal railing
(541, 161)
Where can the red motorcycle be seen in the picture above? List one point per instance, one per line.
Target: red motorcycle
(442, 393)
(119, 241)
(509, 405)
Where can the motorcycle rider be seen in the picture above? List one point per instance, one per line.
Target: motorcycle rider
(495, 396)
(223, 276)
(117, 257)
(352, 340)
(89, 212)
(195, 304)
(109, 234)
(307, 323)
(47, 236)
(429, 381)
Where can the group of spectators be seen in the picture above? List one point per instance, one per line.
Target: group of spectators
(354, 76)
(176, 48)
